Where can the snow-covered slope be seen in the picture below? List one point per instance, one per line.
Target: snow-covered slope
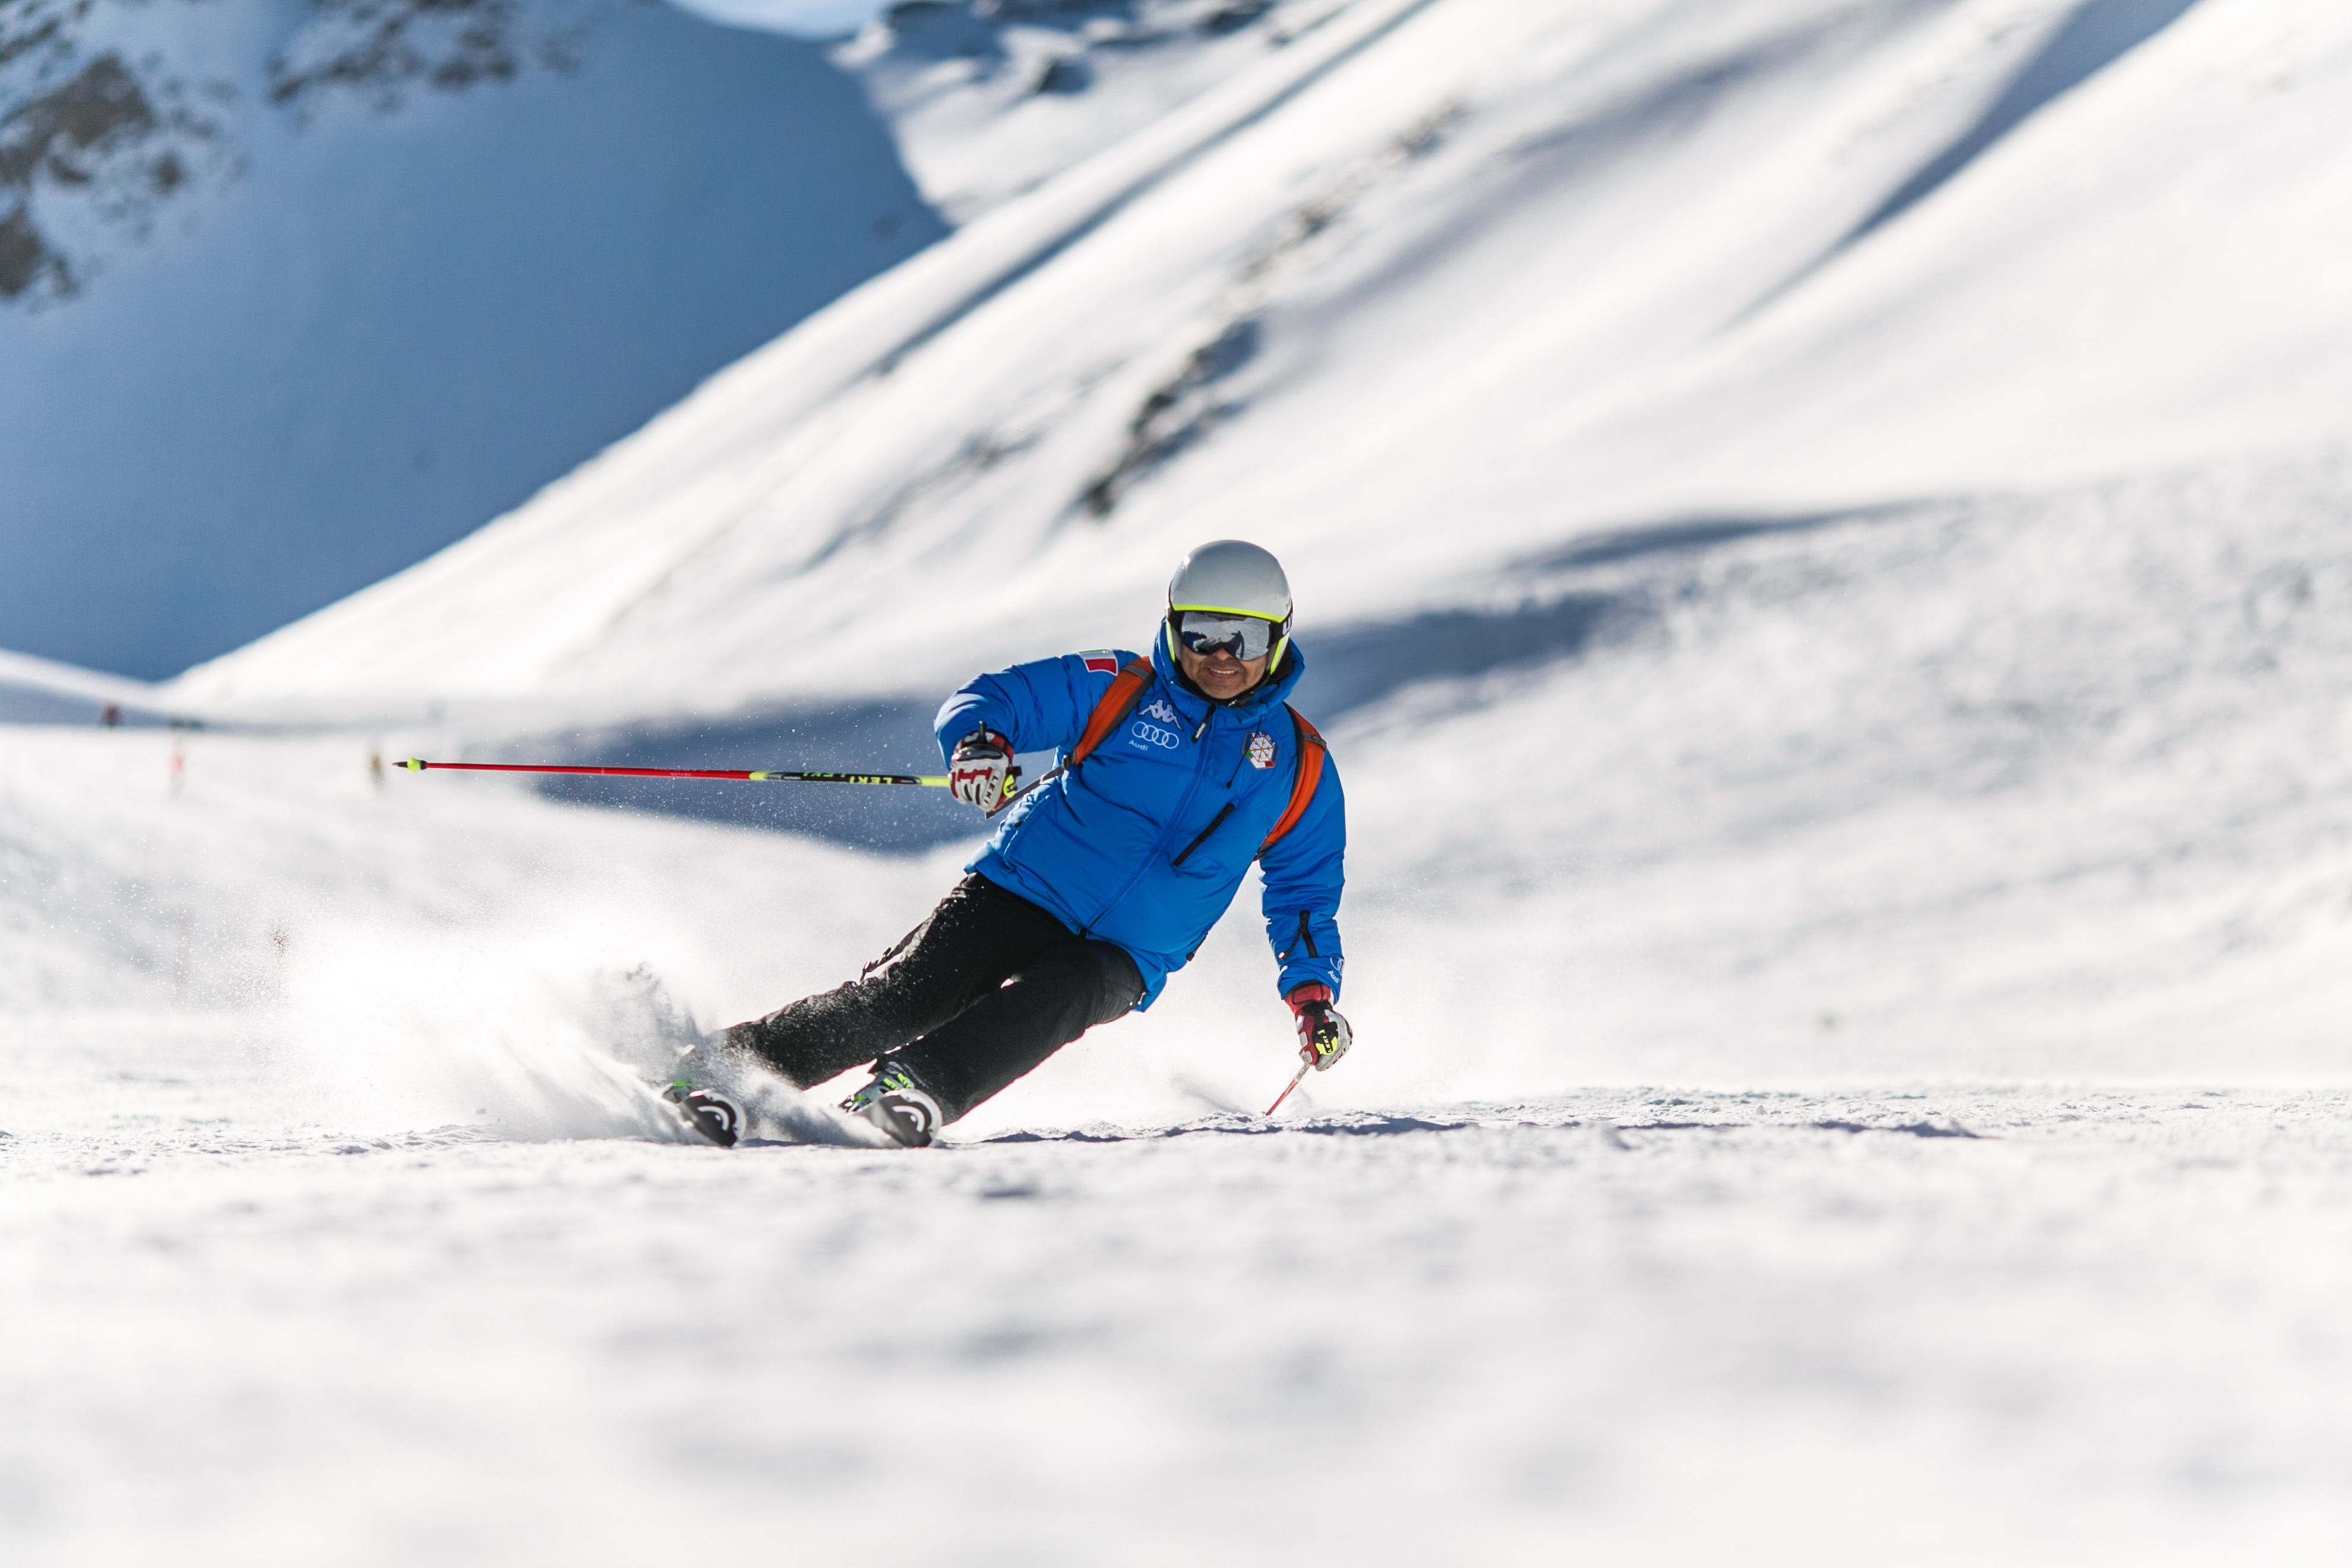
(293, 292)
(987, 100)
(1437, 287)
(1821, 537)
(42, 691)
(1719, 731)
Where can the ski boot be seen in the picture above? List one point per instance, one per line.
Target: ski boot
(897, 1104)
(707, 1111)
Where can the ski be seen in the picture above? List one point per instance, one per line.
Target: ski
(706, 1111)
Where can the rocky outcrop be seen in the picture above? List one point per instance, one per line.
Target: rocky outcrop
(88, 129)
(383, 48)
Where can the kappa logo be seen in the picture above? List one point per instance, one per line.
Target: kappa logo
(1261, 749)
(1158, 709)
(1152, 734)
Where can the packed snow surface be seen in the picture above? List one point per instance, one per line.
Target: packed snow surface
(1974, 1176)
(2026, 1325)
(341, 1221)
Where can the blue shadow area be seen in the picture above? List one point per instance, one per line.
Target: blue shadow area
(1349, 668)
(1679, 536)
(2094, 36)
(2097, 35)
(30, 701)
(1356, 665)
(39, 705)
(399, 321)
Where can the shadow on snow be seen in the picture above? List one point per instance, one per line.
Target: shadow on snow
(1351, 667)
(1366, 1125)
(2098, 34)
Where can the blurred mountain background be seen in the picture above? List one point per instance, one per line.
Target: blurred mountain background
(293, 294)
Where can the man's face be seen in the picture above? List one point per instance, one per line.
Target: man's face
(1219, 673)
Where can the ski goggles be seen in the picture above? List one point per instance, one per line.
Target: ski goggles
(1245, 636)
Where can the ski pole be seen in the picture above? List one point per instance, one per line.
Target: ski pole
(756, 775)
(1295, 1081)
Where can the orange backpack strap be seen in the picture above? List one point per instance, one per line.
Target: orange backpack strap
(1304, 776)
(1125, 691)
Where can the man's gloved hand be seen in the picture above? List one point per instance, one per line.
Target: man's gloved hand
(1323, 1036)
(976, 772)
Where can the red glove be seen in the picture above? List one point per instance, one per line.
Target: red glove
(1323, 1036)
(976, 772)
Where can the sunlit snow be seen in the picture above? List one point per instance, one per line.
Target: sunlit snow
(1819, 527)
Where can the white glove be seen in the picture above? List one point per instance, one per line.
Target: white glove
(976, 772)
(1323, 1036)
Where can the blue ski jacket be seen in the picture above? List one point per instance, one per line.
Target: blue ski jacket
(1145, 842)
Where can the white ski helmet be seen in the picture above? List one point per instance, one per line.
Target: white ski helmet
(1234, 577)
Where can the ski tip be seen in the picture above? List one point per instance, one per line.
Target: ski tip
(416, 764)
(707, 1111)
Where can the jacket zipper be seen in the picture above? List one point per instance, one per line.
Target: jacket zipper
(1190, 790)
(1198, 839)
(1305, 936)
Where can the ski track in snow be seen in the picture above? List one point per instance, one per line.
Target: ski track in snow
(1962, 1325)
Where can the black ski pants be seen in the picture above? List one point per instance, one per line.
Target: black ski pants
(983, 991)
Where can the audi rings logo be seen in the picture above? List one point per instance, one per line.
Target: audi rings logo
(1153, 733)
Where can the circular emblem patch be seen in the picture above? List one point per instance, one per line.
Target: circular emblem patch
(1261, 749)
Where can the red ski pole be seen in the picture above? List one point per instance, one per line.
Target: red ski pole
(755, 775)
(1295, 1081)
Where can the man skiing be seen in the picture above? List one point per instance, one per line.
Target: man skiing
(1104, 878)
